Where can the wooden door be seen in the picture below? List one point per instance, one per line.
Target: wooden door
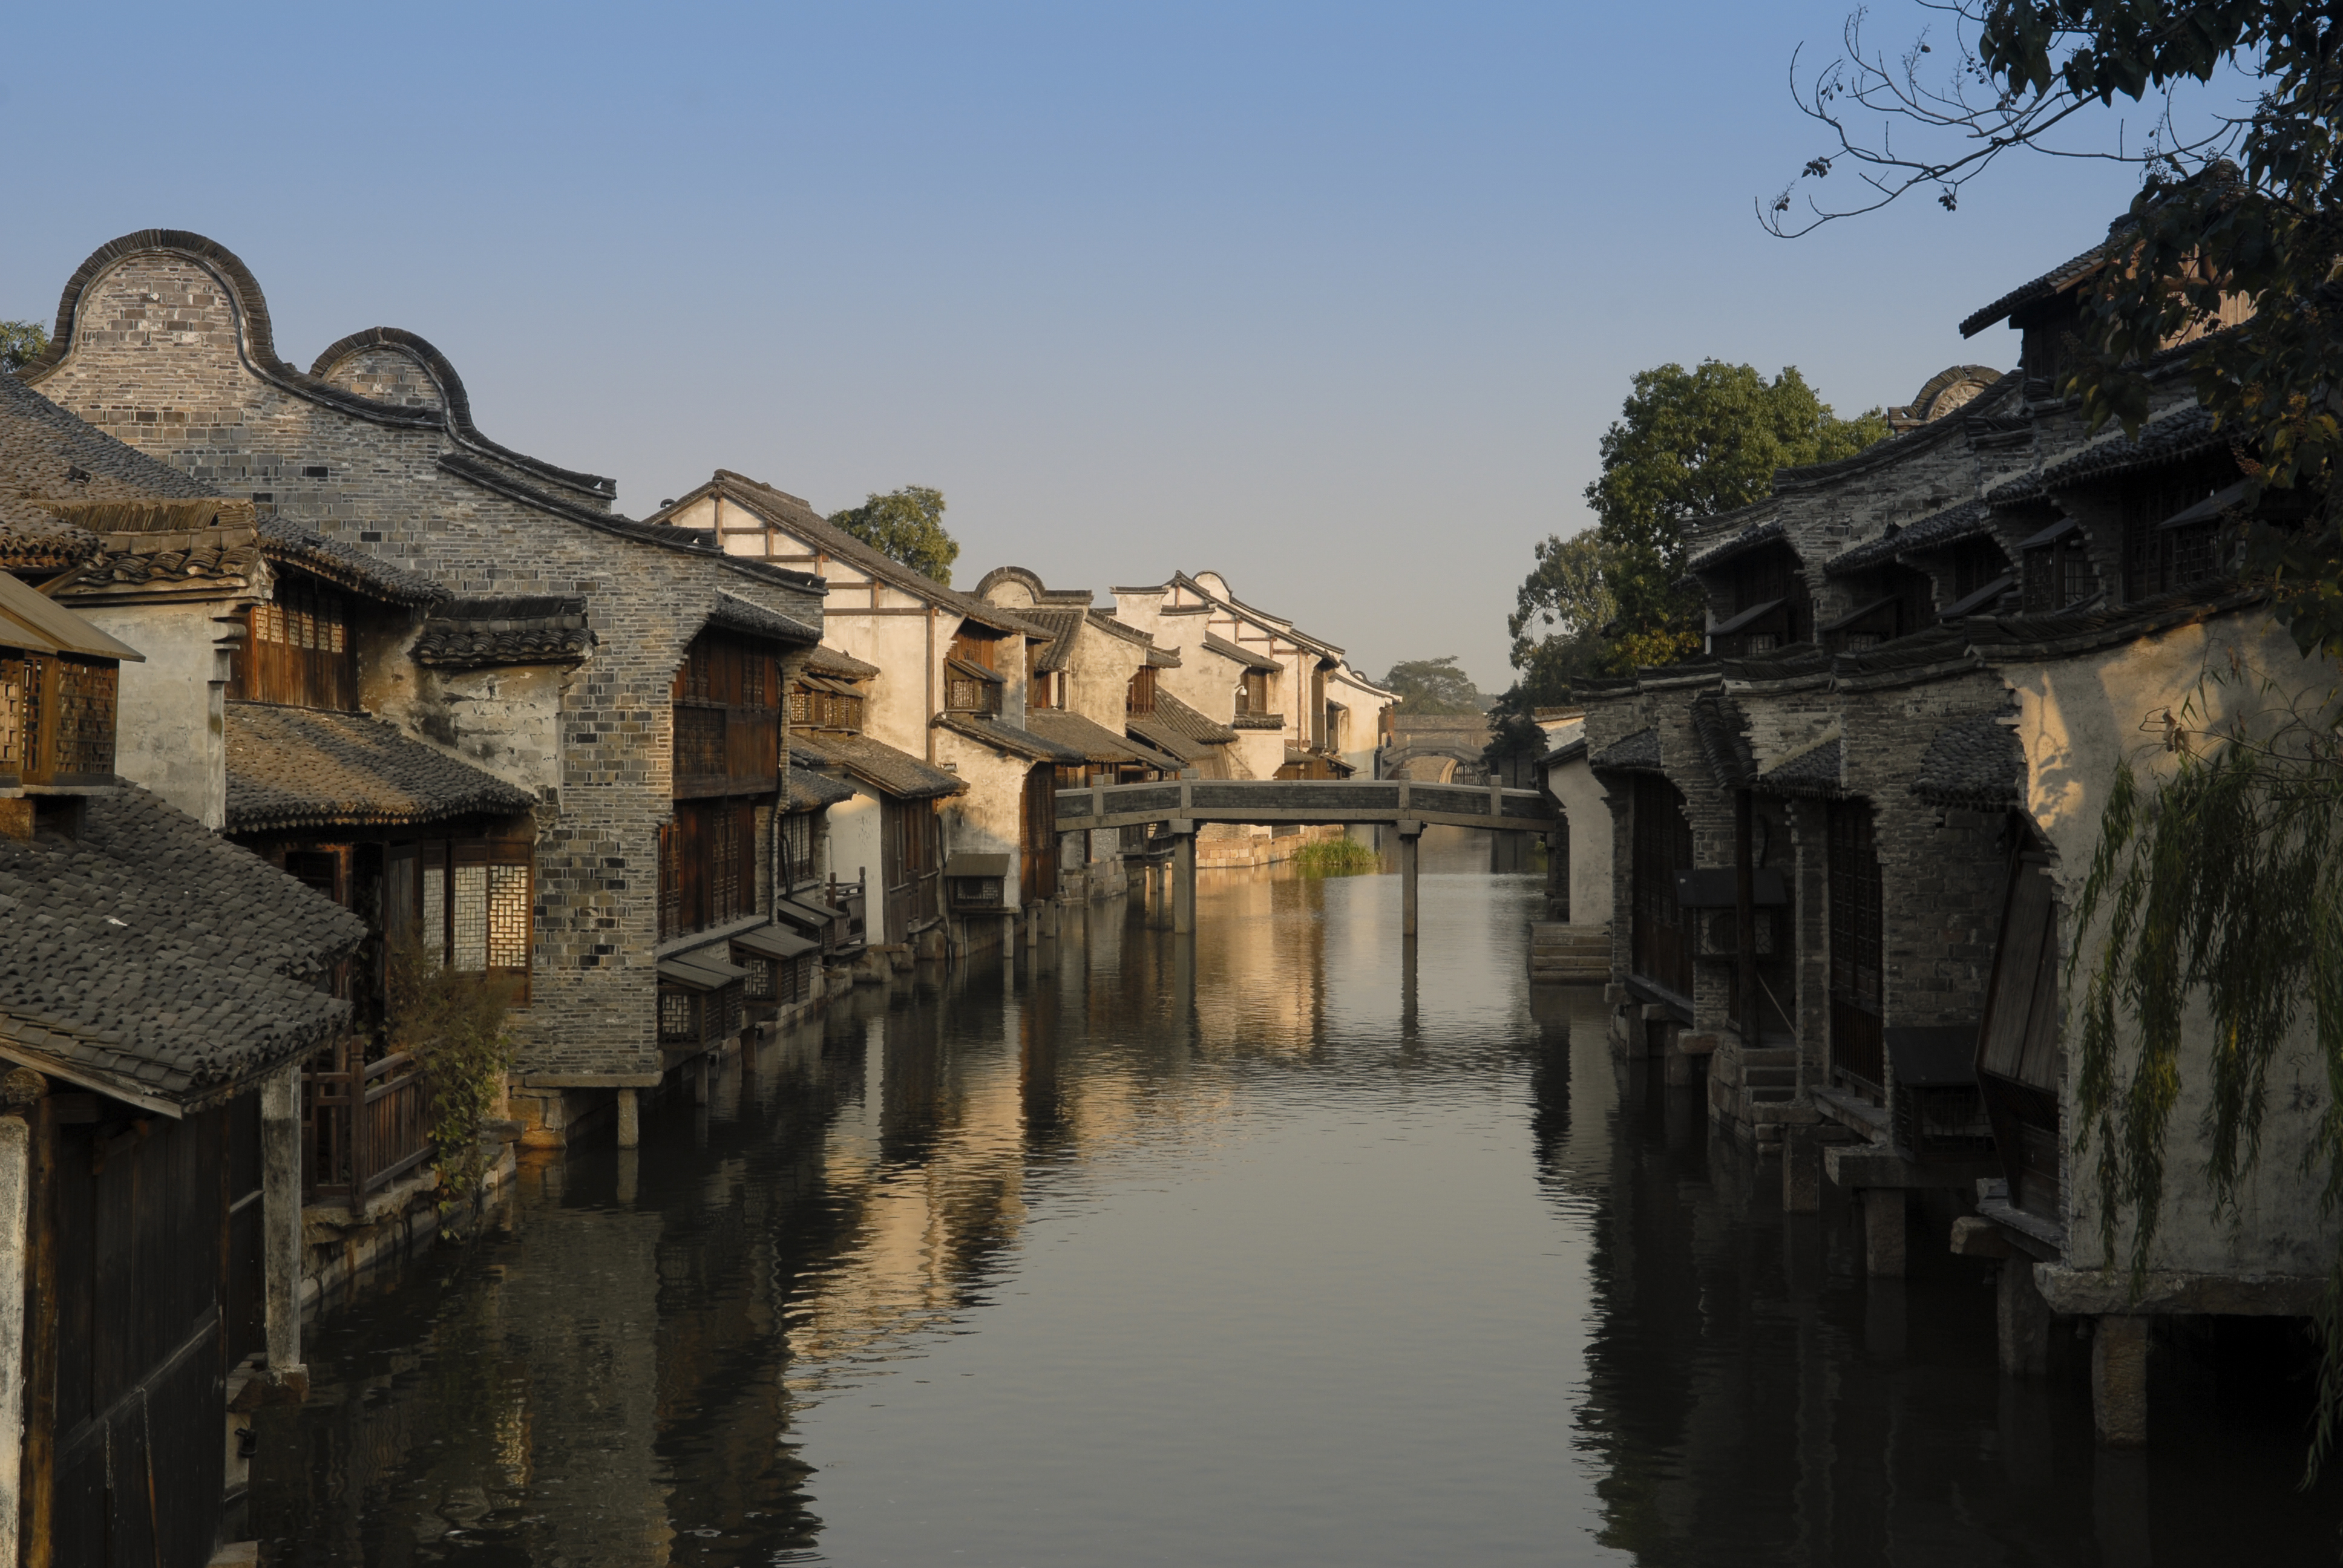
(1660, 942)
(141, 1234)
(1039, 878)
(2018, 1041)
(1855, 944)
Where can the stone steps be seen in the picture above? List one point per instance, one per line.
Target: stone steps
(1569, 954)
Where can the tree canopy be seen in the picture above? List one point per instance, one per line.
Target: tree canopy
(1687, 445)
(906, 526)
(20, 343)
(1433, 685)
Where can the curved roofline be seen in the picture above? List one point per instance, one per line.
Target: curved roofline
(458, 402)
(257, 347)
(1044, 596)
(1899, 446)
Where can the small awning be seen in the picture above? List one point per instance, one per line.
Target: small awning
(975, 672)
(2049, 536)
(2211, 506)
(1982, 600)
(1754, 613)
(1852, 617)
(1713, 888)
(39, 624)
(977, 866)
(772, 942)
(699, 972)
(805, 913)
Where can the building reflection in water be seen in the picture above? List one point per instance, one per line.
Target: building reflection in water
(1586, 1335)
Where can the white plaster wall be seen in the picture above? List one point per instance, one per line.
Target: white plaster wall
(170, 727)
(1586, 814)
(506, 722)
(989, 819)
(2077, 718)
(855, 852)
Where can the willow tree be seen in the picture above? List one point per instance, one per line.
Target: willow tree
(2218, 879)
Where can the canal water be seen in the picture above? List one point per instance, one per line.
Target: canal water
(1260, 1247)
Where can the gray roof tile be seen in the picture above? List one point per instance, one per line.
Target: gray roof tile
(303, 768)
(156, 956)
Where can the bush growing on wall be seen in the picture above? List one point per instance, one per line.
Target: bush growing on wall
(454, 1022)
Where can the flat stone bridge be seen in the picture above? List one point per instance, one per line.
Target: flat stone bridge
(1186, 804)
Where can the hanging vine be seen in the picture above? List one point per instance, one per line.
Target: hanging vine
(2221, 882)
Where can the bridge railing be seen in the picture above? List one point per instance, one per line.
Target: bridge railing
(1274, 800)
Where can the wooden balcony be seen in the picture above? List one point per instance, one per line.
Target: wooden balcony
(367, 1124)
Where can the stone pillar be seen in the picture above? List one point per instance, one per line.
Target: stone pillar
(1183, 879)
(2023, 1318)
(15, 1264)
(1883, 1232)
(1033, 925)
(2120, 1382)
(1410, 835)
(280, 1218)
(631, 1119)
(1678, 1066)
(1802, 1171)
(1049, 909)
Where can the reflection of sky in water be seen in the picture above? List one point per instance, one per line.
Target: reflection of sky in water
(1256, 1250)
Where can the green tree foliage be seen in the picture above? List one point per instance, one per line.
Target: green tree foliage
(1433, 685)
(20, 343)
(1560, 612)
(906, 526)
(1690, 443)
(2220, 880)
(454, 1021)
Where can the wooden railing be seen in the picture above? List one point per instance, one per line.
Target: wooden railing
(367, 1124)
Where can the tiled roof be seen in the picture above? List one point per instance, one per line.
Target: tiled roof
(1815, 771)
(1064, 624)
(809, 790)
(876, 764)
(1218, 644)
(788, 511)
(1931, 532)
(1105, 622)
(827, 660)
(303, 768)
(1636, 752)
(1973, 761)
(1095, 741)
(1258, 721)
(2170, 439)
(1162, 657)
(345, 564)
(1723, 731)
(1961, 424)
(736, 613)
(468, 633)
(156, 958)
(2057, 280)
(42, 448)
(1740, 543)
(143, 550)
(1175, 718)
(1003, 736)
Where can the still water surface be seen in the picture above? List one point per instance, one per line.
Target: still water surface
(1251, 1248)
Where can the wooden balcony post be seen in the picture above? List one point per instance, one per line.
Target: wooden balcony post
(15, 1184)
(1410, 835)
(280, 1207)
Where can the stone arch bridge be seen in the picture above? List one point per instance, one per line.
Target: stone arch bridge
(1404, 804)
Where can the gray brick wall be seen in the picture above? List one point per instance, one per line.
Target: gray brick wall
(156, 359)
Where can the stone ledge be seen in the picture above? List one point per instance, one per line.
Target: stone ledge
(1873, 1166)
(2097, 1293)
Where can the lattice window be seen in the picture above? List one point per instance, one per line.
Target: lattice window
(434, 908)
(1142, 699)
(678, 1015)
(760, 976)
(12, 716)
(797, 847)
(84, 741)
(467, 931)
(699, 742)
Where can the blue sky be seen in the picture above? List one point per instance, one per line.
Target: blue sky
(1335, 299)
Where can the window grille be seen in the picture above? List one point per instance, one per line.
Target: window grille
(298, 649)
(797, 847)
(1142, 699)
